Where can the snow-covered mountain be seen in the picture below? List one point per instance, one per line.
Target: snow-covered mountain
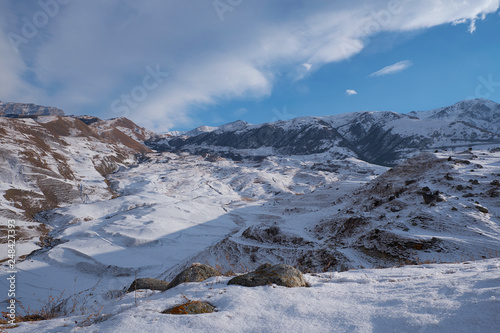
(25, 109)
(52, 161)
(96, 208)
(481, 113)
(385, 138)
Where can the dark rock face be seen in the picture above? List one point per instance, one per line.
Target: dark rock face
(195, 273)
(88, 120)
(192, 307)
(148, 283)
(431, 196)
(389, 245)
(23, 109)
(272, 235)
(283, 275)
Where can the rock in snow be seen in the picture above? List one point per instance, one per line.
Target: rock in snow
(148, 283)
(195, 273)
(283, 275)
(192, 307)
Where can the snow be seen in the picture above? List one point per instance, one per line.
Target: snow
(179, 208)
(199, 130)
(169, 211)
(462, 297)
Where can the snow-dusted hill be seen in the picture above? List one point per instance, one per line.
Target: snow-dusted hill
(51, 161)
(385, 138)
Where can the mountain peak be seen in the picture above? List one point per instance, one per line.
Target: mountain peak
(200, 130)
(234, 126)
(477, 101)
(472, 111)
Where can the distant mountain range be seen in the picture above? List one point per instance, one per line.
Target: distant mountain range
(384, 138)
(50, 159)
(24, 109)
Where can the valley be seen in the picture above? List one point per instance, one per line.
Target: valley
(131, 209)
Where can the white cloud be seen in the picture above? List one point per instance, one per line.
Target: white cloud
(94, 51)
(240, 112)
(351, 92)
(472, 26)
(393, 69)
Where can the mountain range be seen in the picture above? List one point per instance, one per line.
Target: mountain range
(384, 138)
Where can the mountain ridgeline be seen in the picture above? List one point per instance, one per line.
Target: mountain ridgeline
(19, 110)
(384, 138)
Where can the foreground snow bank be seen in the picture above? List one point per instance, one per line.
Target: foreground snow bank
(461, 297)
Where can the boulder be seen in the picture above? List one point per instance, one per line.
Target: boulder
(431, 196)
(482, 209)
(195, 273)
(192, 307)
(283, 275)
(148, 283)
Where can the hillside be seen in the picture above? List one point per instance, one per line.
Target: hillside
(53, 161)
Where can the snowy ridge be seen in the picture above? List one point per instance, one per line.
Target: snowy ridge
(198, 131)
(386, 138)
(25, 109)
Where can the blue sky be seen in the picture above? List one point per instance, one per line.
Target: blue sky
(179, 64)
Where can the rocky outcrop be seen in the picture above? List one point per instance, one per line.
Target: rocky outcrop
(148, 283)
(195, 273)
(282, 275)
(272, 235)
(192, 307)
(431, 196)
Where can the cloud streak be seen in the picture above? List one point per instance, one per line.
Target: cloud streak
(393, 69)
(93, 51)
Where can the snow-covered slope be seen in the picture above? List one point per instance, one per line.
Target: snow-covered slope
(481, 113)
(125, 126)
(450, 298)
(169, 210)
(385, 222)
(50, 161)
(317, 214)
(200, 130)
